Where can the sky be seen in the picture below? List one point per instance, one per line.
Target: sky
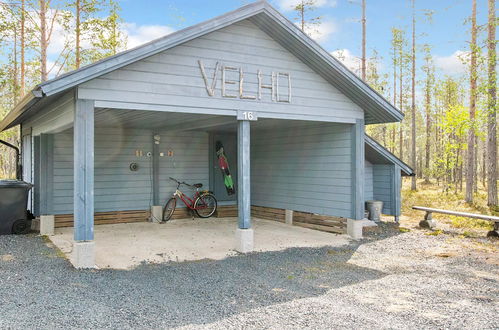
(340, 28)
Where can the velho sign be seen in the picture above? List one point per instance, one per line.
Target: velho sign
(233, 83)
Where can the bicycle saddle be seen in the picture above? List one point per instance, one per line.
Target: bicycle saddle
(198, 185)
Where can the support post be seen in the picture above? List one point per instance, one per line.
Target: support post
(354, 225)
(396, 192)
(156, 140)
(46, 174)
(83, 249)
(358, 163)
(37, 172)
(244, 233)
(288, 217)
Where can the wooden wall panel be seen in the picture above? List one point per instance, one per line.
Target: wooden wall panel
(116, 187)
(305, 169)
(383, 186)
(173, 78)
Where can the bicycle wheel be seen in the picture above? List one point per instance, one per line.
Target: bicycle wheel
(169, 209)
(205, 205)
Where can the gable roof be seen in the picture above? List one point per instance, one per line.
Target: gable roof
(378, 154)
(376, 108)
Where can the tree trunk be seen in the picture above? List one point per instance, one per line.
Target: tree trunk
(302, 13)
(43, 41)
(470, 159)
(401, 102)
(23, 49)
(413, 92)
(78, 34)
(484, 165)
(13, 67)
(492, 110)
(428, 127)
(364, 40)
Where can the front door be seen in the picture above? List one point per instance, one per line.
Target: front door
(229, 142)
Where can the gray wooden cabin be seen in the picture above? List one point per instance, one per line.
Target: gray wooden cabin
(291, 117)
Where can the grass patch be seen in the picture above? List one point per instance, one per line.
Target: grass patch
(460, 222)
(435, 232)
(434, 196)
(404, 230)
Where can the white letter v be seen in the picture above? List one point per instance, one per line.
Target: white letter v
(209, 89)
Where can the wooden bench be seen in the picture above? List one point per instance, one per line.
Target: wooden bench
(428, 221)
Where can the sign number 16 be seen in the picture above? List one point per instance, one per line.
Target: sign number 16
(247, 115)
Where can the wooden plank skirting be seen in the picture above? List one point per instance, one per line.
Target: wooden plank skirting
(320, 222)
(325, 223)
(104, 218)
(308, 220)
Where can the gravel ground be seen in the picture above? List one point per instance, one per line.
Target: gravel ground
(388, 280)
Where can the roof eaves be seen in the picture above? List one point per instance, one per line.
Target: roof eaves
(389, 156)
(153, 47)
(30, 99)
(393, 113)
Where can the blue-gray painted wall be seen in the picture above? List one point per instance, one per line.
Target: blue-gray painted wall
(304, 169)
(116, 187)
(368, 179)
(386, 187)
(172, 81)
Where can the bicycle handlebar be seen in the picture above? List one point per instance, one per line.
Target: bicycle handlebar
(179, 183)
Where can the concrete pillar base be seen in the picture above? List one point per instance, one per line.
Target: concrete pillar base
(244, 240)
(288, 217)
(47, 225)
(84, 255)
(156, 214)
(430, 224)
(354, 228)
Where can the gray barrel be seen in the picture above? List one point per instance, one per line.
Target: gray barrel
(374, 208)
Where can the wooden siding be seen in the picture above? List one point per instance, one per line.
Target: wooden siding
(189, 162)
(383, 186)
(305, 169)
(368, 179)
(172, 78)
(116, 187)
(54, 118)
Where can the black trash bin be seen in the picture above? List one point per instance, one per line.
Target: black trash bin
(14, 216)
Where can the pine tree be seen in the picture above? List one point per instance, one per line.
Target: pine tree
(303, 9)
(429, 69)
(470, 159)
(413, 98)
(492, 108)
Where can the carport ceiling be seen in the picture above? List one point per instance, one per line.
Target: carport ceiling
(176, 121)
(157, 119)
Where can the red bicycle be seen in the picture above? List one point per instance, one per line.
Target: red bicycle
(203, 203)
